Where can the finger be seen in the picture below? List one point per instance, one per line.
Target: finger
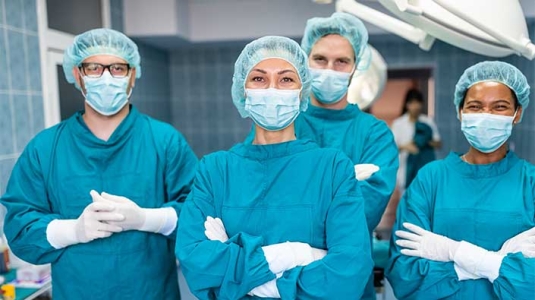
(109, 227)
(414, 228)
(108, 216)
(209, 225)
(114, 197)
(102, 234)
(101, 206)
(408, 244)
(220, 222)
(212, 236)
(209, 218)
(95, 196)
(408, 235)
(408, 252)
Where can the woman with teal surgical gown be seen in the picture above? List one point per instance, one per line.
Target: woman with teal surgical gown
(464, 227)
(278, 218)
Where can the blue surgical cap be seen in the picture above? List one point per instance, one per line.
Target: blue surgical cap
(493, 71)
(100, 41)
(345, 25)
(265, 48)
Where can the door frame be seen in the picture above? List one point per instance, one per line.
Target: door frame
(52, 44)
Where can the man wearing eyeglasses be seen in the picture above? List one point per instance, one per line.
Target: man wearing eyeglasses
(98, 195)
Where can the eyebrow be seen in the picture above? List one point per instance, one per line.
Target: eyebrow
(280, 72)
(286, 71)
(260, 70)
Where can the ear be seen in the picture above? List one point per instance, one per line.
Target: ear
(132, 82)
(77, 76)
(518, 115)
(460, 113)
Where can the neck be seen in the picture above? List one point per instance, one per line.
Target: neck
(413, 118)
(476, 157)
(342, 104)
(266, 137)
(104, 126)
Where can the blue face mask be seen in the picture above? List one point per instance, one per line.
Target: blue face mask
(272, 109)
(329, 86)
(106, 94)
(486, 132)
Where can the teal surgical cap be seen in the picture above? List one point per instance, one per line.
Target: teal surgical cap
(100, 41)
(345, 25)
(265, 48)
(496, 71)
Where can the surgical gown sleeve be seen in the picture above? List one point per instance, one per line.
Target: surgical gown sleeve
(414, 277)
(216, 270)
(344, 271)
(517, 273)
(28, 208)
(179, 172)
(380, 150)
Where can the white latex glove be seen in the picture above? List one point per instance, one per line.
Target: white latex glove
(215, 230)
(523, 242)
(365, 171)
(288, 255)
(422, 243)
(280, 257)
(478, 261)
(462, 274)
(89, 226)
(267, 290)
(158, 220)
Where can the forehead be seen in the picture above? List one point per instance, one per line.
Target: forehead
(490, 91)
(333, 45)
(274, 64)
(104, 59)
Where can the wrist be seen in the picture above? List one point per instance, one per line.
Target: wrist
(61, 233)
(159, 220)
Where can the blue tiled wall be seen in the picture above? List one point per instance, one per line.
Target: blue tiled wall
(152, 92)
(21, 101)
(201, 78)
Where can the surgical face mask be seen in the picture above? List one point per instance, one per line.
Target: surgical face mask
(106, 94)
(329, 86)
(272, 109)
(486, 132)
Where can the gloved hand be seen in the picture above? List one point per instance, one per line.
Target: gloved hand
(523, 242)
(365, 171)
(280, 257)
(158, 220)
(288, 255)
(478, 261)
(267, 290)
(90, 225)
(215, 230)
(422, 243)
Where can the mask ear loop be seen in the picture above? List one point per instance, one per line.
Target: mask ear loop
(514, 116)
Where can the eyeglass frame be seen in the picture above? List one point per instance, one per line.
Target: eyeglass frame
(104, 68)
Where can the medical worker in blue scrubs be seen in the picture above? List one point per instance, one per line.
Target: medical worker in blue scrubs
(99, 194)
(337, 46)
(278, 217)
(465, 226)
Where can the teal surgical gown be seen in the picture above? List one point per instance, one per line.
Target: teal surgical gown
(481, 204)
(144, 160)
(269, 194)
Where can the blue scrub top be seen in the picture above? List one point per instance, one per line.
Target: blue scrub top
(268, 194)
(144, 160)
(482, 204)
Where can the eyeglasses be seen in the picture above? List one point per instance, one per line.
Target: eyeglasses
(95, 70)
